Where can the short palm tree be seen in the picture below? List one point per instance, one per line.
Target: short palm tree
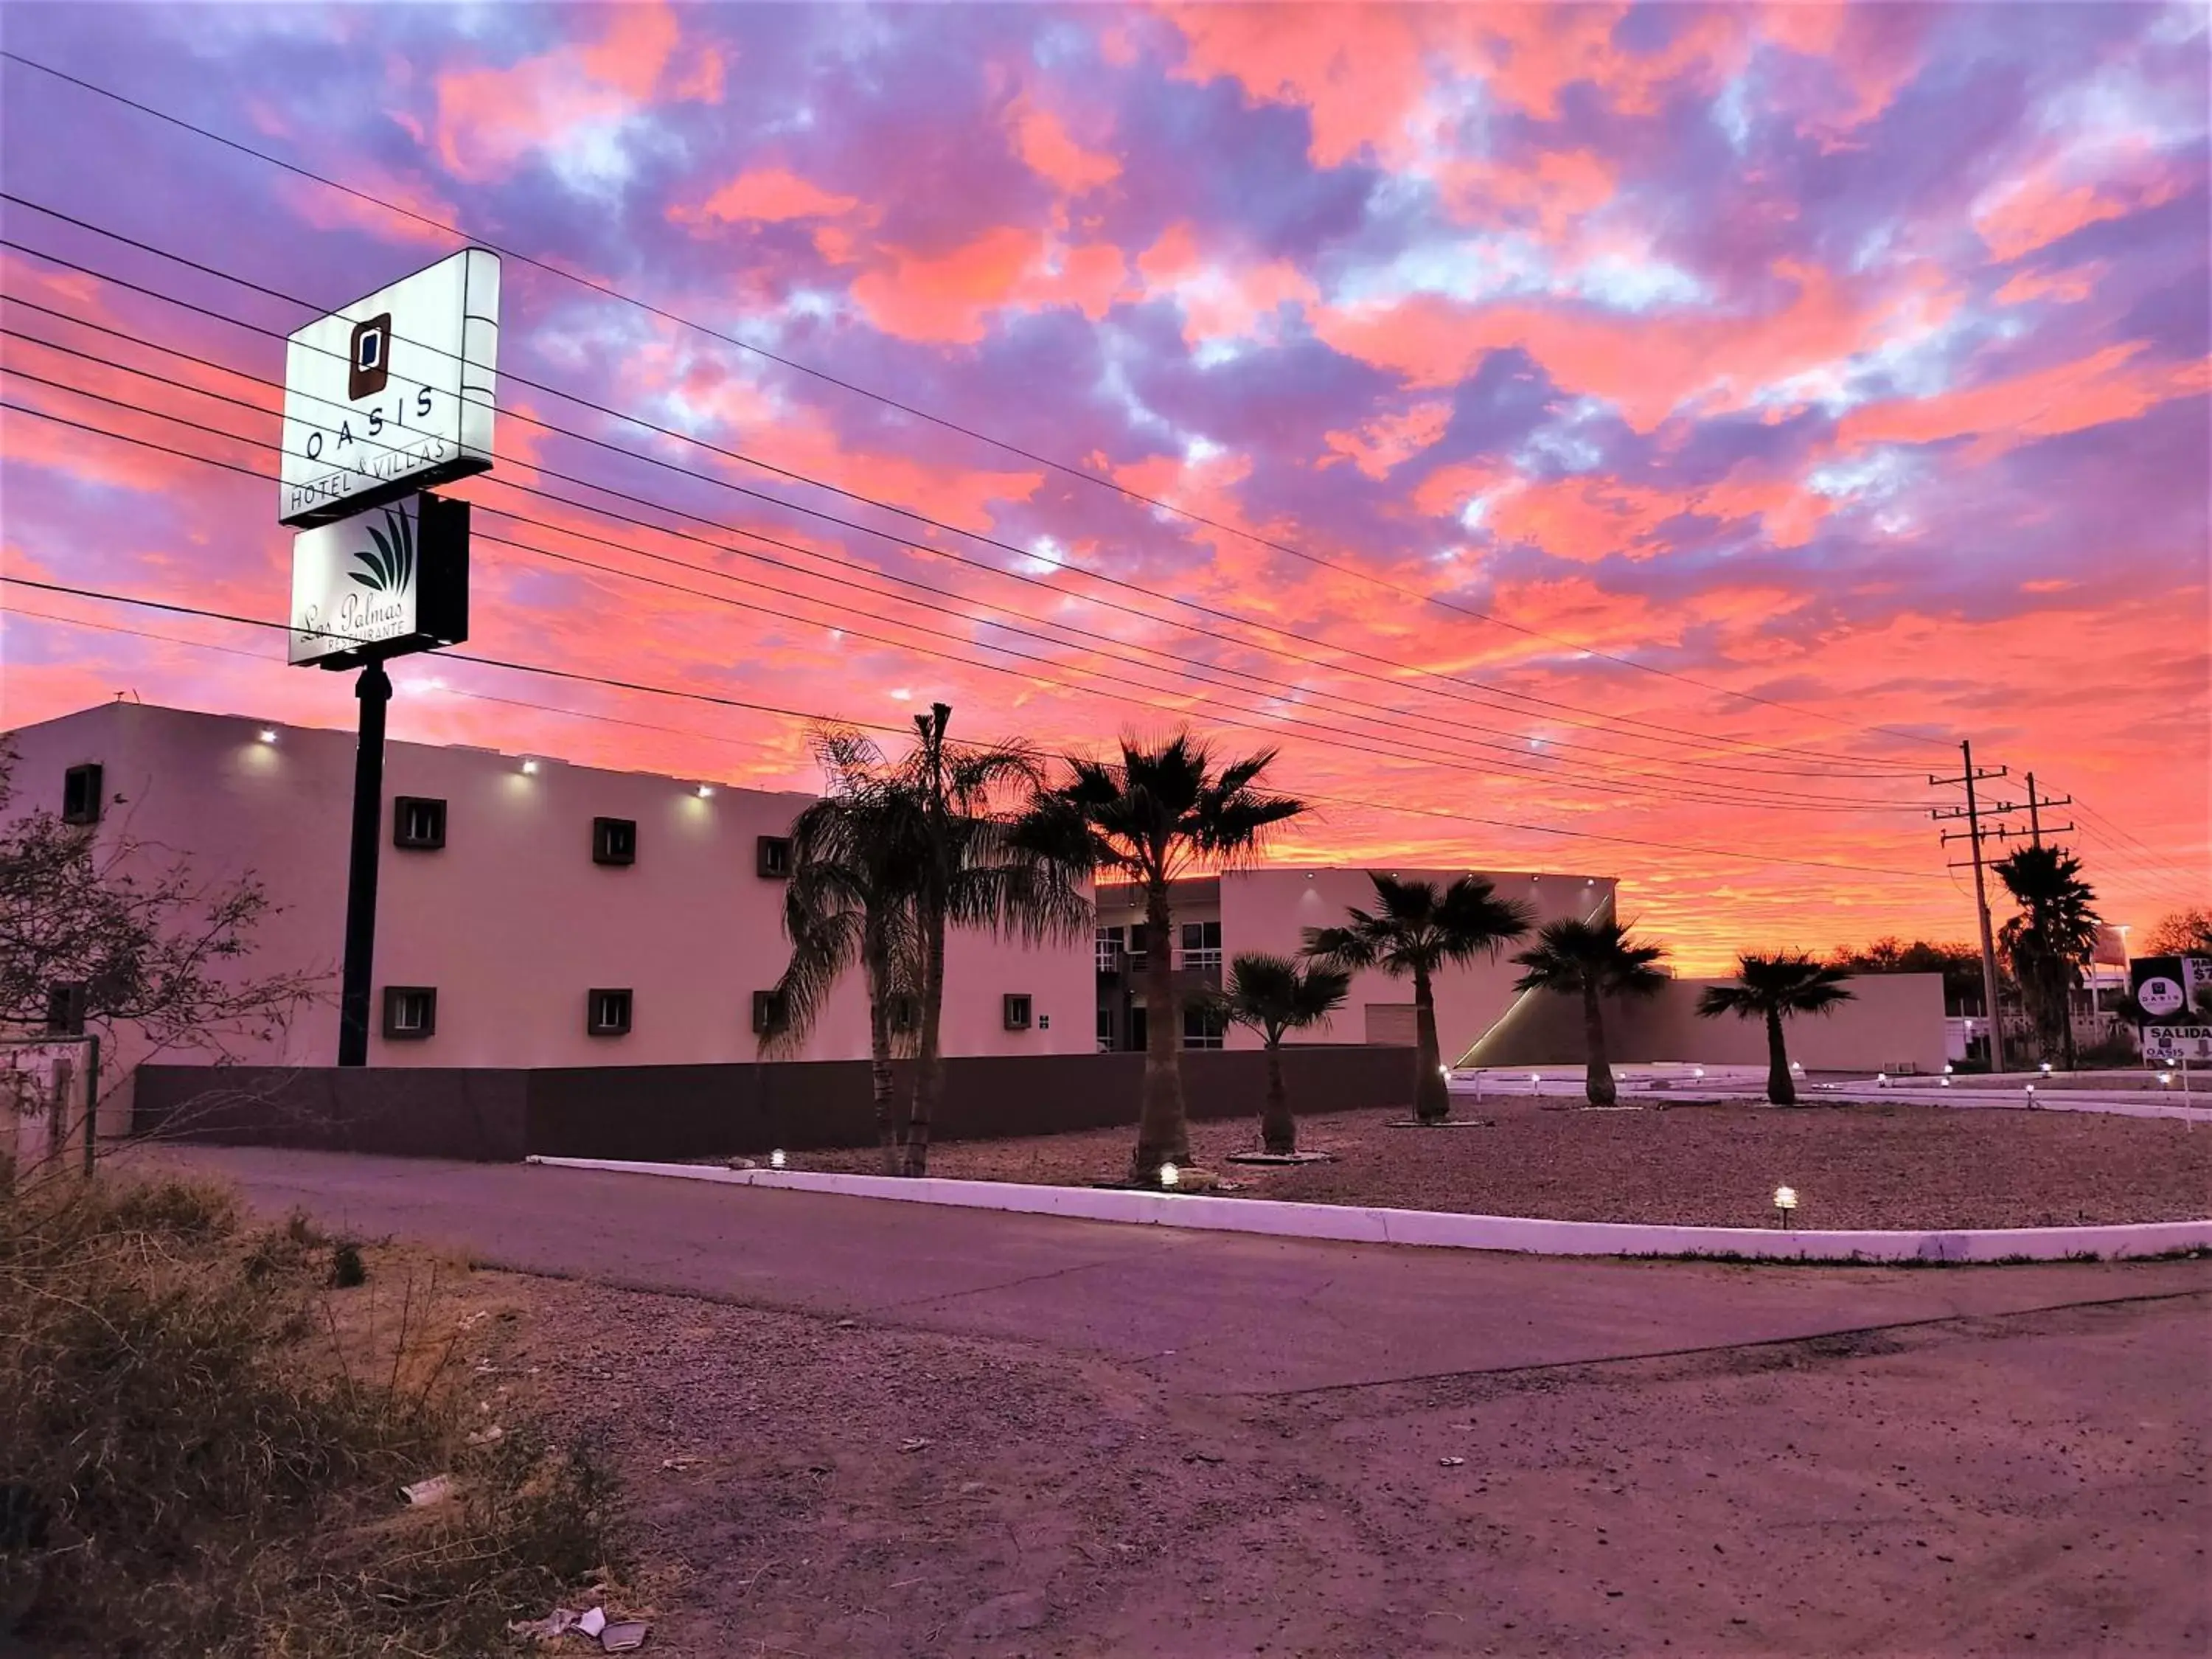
(851, 901)
(1774, 988)
(1592, 960)
(1416, 930)
(1275, 996)
(2047, 944)
(1156, 814)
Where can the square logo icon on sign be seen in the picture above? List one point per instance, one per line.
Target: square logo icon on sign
(370, 362)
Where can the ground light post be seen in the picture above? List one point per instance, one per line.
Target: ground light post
(384, 398)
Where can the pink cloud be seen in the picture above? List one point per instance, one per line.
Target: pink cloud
(769, 194)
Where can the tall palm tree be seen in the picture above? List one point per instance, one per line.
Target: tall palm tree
(1774, 988)
(964, 806)
(1416, 931)
(1592, 960)
(855, 875)
(2048, 941)
(1274, 996)
(1152, 817)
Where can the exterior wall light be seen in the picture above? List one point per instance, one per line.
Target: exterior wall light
(1785, 1201)
(706, 790)
(268, 734)
(775, 1159)
(1169, 1176)
(529, 769)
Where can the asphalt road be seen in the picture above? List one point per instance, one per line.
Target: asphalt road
(1201, 1312)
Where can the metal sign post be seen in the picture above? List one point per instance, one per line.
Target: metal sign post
(382, 398)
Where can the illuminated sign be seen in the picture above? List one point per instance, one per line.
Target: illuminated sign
(392, 393)
(381, 584)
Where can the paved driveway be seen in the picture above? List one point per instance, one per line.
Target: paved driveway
(1202, 1312)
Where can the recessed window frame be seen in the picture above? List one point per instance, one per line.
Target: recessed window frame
(903, 1013)
(418, 822)
(1202, 1028)
(767, 1013)
(397, 1002)
(772, 858)
(65, 1008)
(614, 842)
(1018, 1009)
(83, 792)
(608, 1011)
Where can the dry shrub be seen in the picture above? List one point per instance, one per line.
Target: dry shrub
(201, 1449)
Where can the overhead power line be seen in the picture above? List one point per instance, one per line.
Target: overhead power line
(1065, 469)
(842, 622)
(818, 718)
(1554, 709)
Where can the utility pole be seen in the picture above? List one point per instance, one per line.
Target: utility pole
(2035, 811)
(1972, 834)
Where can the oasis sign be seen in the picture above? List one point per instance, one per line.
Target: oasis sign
(391, 393)
(381, 583)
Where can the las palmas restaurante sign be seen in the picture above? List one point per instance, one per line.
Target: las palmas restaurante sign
(381, 583)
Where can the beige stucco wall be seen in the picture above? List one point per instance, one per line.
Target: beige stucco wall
(511, 920)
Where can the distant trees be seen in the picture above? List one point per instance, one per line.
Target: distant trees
(1961, 965)
(1416, 929)
(2180, 933)
(1591, 960)
(2050, 940)
(1773, 988)
(1274, 996)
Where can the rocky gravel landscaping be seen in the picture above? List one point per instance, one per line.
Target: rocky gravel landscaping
(1869, 1166)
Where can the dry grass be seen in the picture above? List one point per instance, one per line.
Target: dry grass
(1853, 1166)
(203, 1438)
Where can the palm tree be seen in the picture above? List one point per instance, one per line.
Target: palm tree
(1417, 931)
(854, 873)
(964, 806)
(1275, 995)
(2047, 943)
(1774, 988)
(1592, 960)
(1154, 816)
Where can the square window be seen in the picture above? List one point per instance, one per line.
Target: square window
(1202, 1028)
(774, 853)
(767, 1011)
(65, 1009)
(418, 822)
(614, 840)
(1017, 1011)
(410, 1012)
(607, 1013)
(81, 795)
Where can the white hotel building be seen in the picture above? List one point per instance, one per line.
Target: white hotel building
(515, 892)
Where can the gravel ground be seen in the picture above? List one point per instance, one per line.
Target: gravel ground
(1853, 1166)
(797, 1485)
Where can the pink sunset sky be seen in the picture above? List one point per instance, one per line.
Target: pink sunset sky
(1673, 426)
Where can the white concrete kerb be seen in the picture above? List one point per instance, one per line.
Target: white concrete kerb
(1436, 1229)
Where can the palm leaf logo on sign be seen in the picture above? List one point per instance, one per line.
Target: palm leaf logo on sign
(390, 567)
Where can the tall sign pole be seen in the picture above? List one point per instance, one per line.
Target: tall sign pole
(1972, 834)
(383, 399)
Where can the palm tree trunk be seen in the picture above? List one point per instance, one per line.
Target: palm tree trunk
(1279, 1130)
(1779, 1089)
(929, 1064)
(1163, 1134)
(1431, 1099)
(880, 1086)
(1599, 1087)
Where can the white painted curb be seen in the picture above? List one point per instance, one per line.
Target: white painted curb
(1450, 1231)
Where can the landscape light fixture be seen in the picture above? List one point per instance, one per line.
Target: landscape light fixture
(1169, 1176)
(2031, 1094)
(776, 1159)
(1785, 1200)
(2046, 1068)
(268, 734)
(1947, 1082)
(1697, 1070)
(1881, 1079)
(2167, 1078)
(1946, 1068)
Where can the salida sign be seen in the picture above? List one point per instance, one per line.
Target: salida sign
(381, 583)
(2175, 994)
(392, 393)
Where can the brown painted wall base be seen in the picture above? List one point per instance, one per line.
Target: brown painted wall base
(670, 1112)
